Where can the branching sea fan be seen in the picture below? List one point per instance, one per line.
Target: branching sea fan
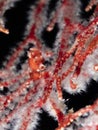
(48, 56)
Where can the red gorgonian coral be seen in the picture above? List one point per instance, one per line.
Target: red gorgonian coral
(47, 72)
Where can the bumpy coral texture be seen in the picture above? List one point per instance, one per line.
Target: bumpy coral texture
(54, 55)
